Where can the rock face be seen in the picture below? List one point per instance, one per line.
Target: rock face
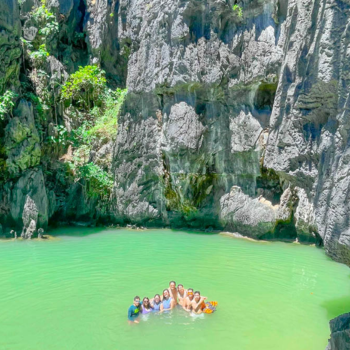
(233, 120)
(340, 333)
(10, 49)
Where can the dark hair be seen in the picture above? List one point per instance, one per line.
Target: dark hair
(180, 285)
(166, 289)
(172, 282)
(154, 301)
(145, 298)
(137, 297)
(190, 289)
(197, 292)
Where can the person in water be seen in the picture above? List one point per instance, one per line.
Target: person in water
(134, 310)
(198, 305)
(187, 301)
(173, 292)
(146, 306)
(156, 303)
(181, 293)
(168, 302)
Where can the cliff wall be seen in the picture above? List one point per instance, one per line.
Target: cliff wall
(235, 119)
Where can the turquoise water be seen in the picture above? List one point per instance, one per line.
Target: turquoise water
(73, 292)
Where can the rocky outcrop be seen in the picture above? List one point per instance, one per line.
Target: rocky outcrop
(307, 144)
(22, 140)
(10, 49)
(340, 333)
(233, 120)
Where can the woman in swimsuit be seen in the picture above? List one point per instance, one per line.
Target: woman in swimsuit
(167, 303)
(146, 306)
(182, 294)
(156, 303)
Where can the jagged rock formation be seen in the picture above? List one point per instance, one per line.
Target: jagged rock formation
(232, 121)
(340, 333)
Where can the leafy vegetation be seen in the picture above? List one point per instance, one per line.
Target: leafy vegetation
(7, 103)
(38, 57)
(45, 21)
(85, 88)
(95, 108)
(47, 26)
(237, 10)
(99, 182)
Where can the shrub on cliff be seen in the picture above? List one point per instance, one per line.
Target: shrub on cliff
(7, 103)
(85, 88)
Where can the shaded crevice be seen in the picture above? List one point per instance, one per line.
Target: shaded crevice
(268, 185)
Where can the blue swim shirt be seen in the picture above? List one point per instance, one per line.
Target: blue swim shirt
(133, 312)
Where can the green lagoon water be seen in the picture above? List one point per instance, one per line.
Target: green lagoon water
(73, 292)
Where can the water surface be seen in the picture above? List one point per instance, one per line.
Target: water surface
(73, 292)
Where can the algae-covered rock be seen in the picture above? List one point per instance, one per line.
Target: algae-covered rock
(22, 140)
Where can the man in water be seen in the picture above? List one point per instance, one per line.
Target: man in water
(134, 310)
(187, 301)
(198, 305)
(181, 293)
(173, 292)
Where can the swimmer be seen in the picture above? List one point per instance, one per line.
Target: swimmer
(198, 305)
(146, 306)
(156, 303)
(181, 293)
(134, 311)
(168, 302)
(186, 305)
(173, 291)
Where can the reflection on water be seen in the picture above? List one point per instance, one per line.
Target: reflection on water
(74, 292)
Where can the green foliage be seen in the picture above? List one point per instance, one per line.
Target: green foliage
(90, 103)
(61, 136)
(106, 123)
(99, 181)
(85, 87)
(39, 57)
(45, 21)
(38, 103)
(7, 103)
(237, 10)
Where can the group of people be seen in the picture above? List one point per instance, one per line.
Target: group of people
(174, 296)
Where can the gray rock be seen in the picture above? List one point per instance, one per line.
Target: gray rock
(22, 140)
(340, 333)
(252, 217)
(10, 49)
(28, 200)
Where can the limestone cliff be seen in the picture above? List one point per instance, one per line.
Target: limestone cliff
(235, 119)
(340, 333)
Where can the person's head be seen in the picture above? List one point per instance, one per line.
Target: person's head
(145, 302)
(197, 295)
(172, 284)
(137, 301)
(165, 294)
(180, 288)
(190, 293)
(157, 298)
